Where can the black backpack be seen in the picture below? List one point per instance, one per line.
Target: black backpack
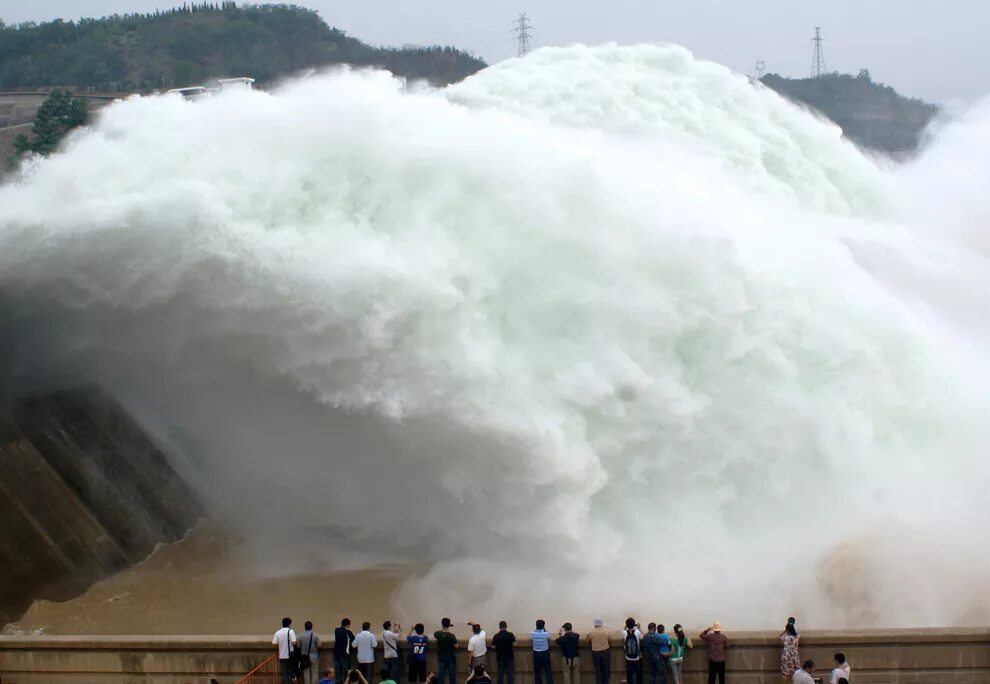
(632, 645)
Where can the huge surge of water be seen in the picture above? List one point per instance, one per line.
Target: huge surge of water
(599, 330)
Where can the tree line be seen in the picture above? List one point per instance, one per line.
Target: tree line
(194, 42)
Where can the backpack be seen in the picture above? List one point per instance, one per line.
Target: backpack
(632, 645)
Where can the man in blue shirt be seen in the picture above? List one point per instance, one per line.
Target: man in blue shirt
(417, 641)
(541, 653)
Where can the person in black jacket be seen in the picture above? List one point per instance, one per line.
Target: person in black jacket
(505, 659)
(569, 642)
(343, 637)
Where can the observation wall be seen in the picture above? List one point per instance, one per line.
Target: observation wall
(909, 656)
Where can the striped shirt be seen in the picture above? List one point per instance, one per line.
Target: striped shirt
(541, 640)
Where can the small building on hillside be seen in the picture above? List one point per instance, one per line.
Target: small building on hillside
(239, 83)
(190, 93)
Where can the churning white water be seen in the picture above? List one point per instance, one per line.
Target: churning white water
(602, 330)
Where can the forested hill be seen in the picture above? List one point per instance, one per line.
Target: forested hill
(870, 114)
(190, 44)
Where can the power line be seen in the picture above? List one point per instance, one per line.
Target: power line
(761, 69)
(818, 61)
(523, 32)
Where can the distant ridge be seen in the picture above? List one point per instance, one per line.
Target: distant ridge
(872, 115)
(192, 43)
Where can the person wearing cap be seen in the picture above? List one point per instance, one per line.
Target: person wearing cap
(716, 643)
(600, 655)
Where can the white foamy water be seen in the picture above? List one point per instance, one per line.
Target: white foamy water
(604, 330)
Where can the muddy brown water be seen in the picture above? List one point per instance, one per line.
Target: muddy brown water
(195, 587)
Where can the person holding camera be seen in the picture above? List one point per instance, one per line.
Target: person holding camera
(391, 632)
(446, 653)
(477, 648)
(417, 641)
(355, 677)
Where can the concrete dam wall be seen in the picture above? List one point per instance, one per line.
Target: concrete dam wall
(904, 656)
(83, 494)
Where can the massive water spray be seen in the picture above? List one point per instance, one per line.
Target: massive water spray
(601, 330)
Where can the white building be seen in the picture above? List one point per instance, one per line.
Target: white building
(190, 93)
(240, 83)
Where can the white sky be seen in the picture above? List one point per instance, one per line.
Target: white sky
(934, 49)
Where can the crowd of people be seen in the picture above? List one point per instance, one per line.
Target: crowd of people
(656, 651)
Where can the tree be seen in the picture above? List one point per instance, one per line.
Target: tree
(57, 115)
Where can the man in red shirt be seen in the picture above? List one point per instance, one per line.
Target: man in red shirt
(717, 643)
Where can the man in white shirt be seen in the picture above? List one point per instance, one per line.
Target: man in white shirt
(841, 670)
(477, 649)
(286, 640)
(803, 676)
(366, 643)
(390, 648)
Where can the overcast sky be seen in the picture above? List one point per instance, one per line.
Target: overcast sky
(935, 49)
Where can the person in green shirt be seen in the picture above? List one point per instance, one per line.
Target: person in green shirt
(387, 677)
(446, 652)
(681, 643)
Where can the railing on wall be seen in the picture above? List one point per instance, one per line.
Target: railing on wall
(267, 672)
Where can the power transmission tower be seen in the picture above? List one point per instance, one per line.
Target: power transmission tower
(523, 32)
(818, 61)
(761, 69)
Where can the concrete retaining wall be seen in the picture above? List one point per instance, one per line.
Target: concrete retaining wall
(955, 656)
(83, 494)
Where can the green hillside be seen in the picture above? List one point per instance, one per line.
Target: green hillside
(870, 114)
(192, 43)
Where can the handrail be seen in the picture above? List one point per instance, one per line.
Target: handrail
(259, 669)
